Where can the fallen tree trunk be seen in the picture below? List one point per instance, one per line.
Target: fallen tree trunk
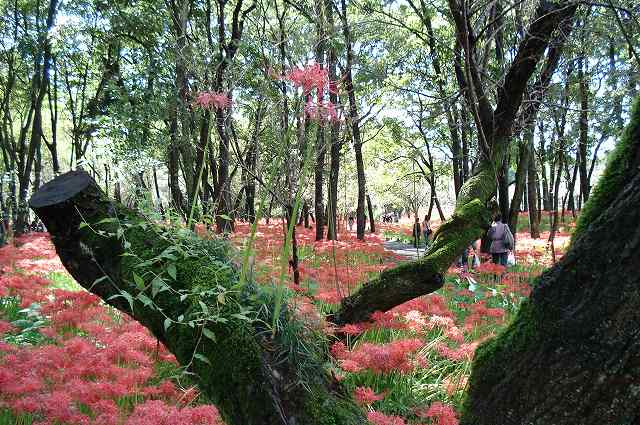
(572, 355)
(189, 295)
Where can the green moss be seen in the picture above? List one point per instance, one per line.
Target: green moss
(481, 186)
(494, 357)
(616, 175)
(453, 236)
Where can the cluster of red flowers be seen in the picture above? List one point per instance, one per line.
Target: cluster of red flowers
(215, 100)
(440, 414)
(400, 356)
(366, 396)
(95, 362)
(311, 77)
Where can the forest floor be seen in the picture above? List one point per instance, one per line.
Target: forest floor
(66, 358)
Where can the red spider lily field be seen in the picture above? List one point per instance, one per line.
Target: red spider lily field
(67, 358)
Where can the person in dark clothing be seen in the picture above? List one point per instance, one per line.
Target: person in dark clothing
(3, 231)
(426, 230)
(416, 232)
(499, 252)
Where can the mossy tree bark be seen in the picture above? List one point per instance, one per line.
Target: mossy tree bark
(572, 353)
(188, 294)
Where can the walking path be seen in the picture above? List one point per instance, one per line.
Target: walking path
(403, 249)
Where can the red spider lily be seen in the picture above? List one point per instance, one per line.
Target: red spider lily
(215, 100)
(464, 352)
(310, 77)
(118, 357)
(440, 414)
(379, 358)
(365, 396)
(377, 418)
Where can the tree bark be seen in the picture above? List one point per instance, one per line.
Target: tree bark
(571, 353)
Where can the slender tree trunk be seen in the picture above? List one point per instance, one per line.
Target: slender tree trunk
(584, 129)
(372, 222)
(334, 141)
(252, 162)
(321, 146)
(157, 187)
(173, 165)
(532, 195)
(355, 124)
(524, 152)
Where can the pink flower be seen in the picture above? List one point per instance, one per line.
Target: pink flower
(216, 100)
(377, 418)
(440, 413)
(366, 396)
(310, 77)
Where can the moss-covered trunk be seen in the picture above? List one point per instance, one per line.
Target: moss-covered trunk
(188, 294)
(572, 355)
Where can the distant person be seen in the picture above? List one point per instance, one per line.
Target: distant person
(463, 261)
(426, 230)
(3, 231)
(499, 236)
(350, 222)
(416, 232)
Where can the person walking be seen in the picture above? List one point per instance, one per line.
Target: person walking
(416, 232)
(426, 230)
(498, 233)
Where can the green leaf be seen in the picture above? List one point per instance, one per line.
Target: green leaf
(202, 358)
(139, 281)
(241, 317)
(206, 332)
(171, 269)
(224, 217)
(98, 280)
(83, 225)
(204, 307)
(126, 296)
(167, 323)
(221, 299)
(181, 318)
(183, 297)
(157, 285)
(145, 300)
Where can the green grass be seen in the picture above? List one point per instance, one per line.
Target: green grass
(62, 280)
(545, 221)
(8, 418)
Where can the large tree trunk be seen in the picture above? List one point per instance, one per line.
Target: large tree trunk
(571, 355)
(236, 362)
